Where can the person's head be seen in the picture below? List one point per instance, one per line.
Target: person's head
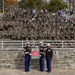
(48, 44)
(40, 43)
(27, 43)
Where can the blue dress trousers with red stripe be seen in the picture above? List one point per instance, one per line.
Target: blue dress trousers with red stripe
(49, 55)
(41, 61)
(27, 58)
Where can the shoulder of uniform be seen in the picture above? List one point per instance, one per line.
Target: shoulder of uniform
(24, 47)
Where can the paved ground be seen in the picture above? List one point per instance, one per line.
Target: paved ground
(35, 72)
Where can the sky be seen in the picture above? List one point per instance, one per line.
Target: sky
(19, 0)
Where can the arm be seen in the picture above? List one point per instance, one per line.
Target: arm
(51, 53)
(30, 51)
(25, 51)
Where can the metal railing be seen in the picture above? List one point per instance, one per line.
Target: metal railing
(54, 44)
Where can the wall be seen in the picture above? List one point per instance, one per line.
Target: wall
(62, 58)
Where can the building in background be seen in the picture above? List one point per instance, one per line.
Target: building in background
(10, 3)
(6, 3)
(13, 1)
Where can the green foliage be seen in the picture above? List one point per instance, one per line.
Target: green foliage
(31, 3)
(54, 5)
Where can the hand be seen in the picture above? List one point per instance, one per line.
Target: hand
(39, 55)
(26, 52)
(30, 53)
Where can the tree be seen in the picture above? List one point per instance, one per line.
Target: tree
(31, 3)
(54, 5)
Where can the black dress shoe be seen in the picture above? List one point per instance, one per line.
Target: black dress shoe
(42, 71)
(26, 71)
(48, 71)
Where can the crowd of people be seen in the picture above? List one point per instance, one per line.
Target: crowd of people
(26, 24)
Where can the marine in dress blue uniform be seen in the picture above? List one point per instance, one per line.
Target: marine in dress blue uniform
(48, 56)
(41, 60)
(27, 51)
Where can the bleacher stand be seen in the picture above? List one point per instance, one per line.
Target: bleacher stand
(23, 24)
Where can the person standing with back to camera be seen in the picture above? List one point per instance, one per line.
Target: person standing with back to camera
(27, 51)
(48, 56)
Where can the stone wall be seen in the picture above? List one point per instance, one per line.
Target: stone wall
(62, 58)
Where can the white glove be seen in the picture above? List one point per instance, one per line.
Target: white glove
(30, 53)
(39, 55)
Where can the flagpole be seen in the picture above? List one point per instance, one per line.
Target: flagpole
(3, 6)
